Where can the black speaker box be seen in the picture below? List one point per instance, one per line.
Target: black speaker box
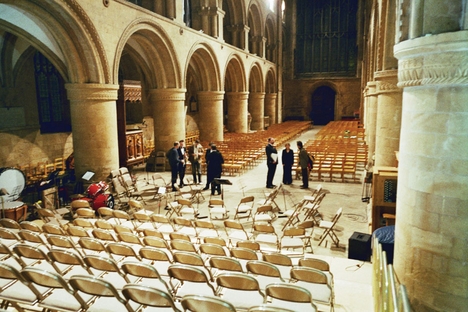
(359, 246)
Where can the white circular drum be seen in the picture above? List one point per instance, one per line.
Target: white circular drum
(12, 183)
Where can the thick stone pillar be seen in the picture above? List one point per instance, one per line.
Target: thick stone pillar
(270, 107)
(210, 106)
(431, 248)
(389, 101)
(237, 111)
(169, 117)
(93, 111)
(371, 118)
(256, 110)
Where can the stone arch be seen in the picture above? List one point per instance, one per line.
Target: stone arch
(53, 27)
(322, 104)
(151, 49)
(235, 101)
(270, 84)
(256, 106)
(203, 64)
(256, 25)
(271, 38)
(256, 79)
(234, 22)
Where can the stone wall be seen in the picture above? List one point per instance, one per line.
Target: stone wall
(298, 96)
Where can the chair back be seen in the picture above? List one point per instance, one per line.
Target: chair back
(10, 224)
(264, 268)
(243, 253)
(278, 259)
(199, 303)
(309, 275)
(288, 292)
(187, 273)
(148, 296)
(31, 226)
(225, 264)
(53, 229)
(212, 249)
(239, 281)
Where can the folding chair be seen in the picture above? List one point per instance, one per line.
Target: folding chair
(55, 229)
(187, 280)
(31, 226)
(244, 255)
(293, 215)
(144, 274)
(316, 282)
(186, 208)
(149, 297)
(10, 224)
(163, 224)
(318, 264)
(235, 231)
(311, 209)
(290, 296)
(9, 257)
(264, 213)
(33, 256)
(198, 303)
(105, 296)
(217, 207)
(204, 229)
(108, 269)
(328, 227)
(56, 293)
(265, 235)
(192, 259)
(267, 307)
(240, 289)
(265, 272)
(185, 226)
(120, 252)
(14, 289)
(295, 238)
(158, 258)
(282, 262)
(224, 264)
(9, 237)
(244, 208)
(69, 263)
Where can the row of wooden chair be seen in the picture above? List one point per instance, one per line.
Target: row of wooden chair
(40, 171)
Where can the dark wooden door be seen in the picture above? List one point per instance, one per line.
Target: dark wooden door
(323, 105)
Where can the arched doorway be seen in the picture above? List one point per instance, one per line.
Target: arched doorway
(323, 105)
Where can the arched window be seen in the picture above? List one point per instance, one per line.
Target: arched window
(54, 108)
(326, 38)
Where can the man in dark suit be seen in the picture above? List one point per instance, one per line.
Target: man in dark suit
(272, 162)
(173, 158)
(183, 161)
(207, 153)
(215, 167)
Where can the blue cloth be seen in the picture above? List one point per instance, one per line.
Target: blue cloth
(386, 234)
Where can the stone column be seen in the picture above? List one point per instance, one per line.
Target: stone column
(210, 107)
(431, 233)
(270, 107)
(244, 37)
(237, 112)
(389, 102)
(371, 118)
(256, 109)
(169, 117)
(93, 111)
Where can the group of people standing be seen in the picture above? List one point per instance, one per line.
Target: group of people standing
(179, 155)
(287, 160)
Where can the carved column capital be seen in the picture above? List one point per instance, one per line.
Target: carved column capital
(422, 62)
(91, 91)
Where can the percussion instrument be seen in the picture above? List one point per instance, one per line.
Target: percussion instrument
(14, 210)
(97, 188)
(12, 183)
(103, 200)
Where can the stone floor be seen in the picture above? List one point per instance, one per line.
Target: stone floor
(352, 277)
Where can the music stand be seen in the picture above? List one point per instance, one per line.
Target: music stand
(222, 182)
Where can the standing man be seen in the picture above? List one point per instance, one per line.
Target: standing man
(182, 157)
(208, 175)
(173, 158)
(272, 162)
(195, 153)
(303, 162)
(215, 168)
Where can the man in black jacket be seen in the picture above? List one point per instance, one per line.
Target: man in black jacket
(173, 158)
(272, 162)
(215, 167)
